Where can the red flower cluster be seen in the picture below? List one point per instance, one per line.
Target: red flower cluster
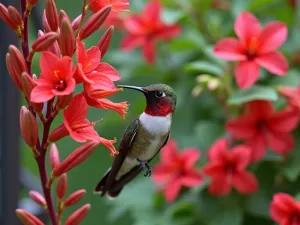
(177, 170)
(262, 127)
(255, 47)
(145, 29)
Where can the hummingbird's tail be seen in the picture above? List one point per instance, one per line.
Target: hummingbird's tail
(99, 189)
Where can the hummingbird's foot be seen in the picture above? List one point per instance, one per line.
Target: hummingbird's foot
(143, 165)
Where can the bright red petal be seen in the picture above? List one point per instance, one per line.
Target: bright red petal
(192, 178)
(260, 109)
(134, 25)
(289, 92)
(215, 170)
(77, 137)
(169, 32)
(80, 52)
(218, 151)
(169, 154)
(109, 71)
(93, 59)
(76, 111)
(282, 207)
(219, 186)
(162, 173)
(242, 26)
(280, 142)
(274, 62)
(48, 63)
(41, 93)
(243, 127)
(246, 74)
(89, 133)
(189, 156)
(149, 51)
(229, 49)
(151, 12)
(119, 5)
(241, 155)
(273, 36)
(130, 42)
(245, 182)
(284, 121)
(172, 190)
(100, 81)
(258, 145)
(70, 86)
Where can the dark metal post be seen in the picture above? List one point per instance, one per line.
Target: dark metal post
(9, 123)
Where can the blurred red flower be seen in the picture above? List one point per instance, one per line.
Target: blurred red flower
(292, 94)
(75, 123)
(56, 78)
(145, 29)
(285, 210)
(117, 5)
(226, 168)
(116, 19)
(254, 47)
(93, 72)
(262, 127)
(176, 170)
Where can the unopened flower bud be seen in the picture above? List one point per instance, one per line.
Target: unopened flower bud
(78, 215)
(76, 22)
(75, 158)
(66, 38)
(61, 186)
(105, 40)
(51, 14)
(44, 42)
(29, 127)
(45, 23)
(74, 198)
(63, 101)
(63, 15)
(94, 22)
(197, 90)
(13, 73)
(4, 15)
(58, 133)
(17, 60)
(15, 16)
(27, 218)
(54, 156)
(38, 198)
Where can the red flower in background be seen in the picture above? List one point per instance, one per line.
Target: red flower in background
(117, 5)
(116, 19)
(75, 123)
(292, 94)
(227, 169)
(262, 127)
(56, 78)
(254, 47)
(177, 170)
(285, 210)
(145, 29)
(93, 72)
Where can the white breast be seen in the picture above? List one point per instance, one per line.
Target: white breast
(156, 125)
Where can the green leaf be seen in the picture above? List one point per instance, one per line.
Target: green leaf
(204, 67)
(256, 92)
(292, 78)
(257, 204)
(291, 169)
(228, 216)
(180, 44)
(297, 197)
(172, 16)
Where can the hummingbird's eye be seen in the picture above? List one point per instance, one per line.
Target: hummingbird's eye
(160, 94)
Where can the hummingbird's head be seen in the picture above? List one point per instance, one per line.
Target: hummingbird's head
(161, 98)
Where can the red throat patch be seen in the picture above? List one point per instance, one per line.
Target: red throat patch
(161, 108)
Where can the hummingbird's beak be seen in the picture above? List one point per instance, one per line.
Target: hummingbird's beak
(132, 87)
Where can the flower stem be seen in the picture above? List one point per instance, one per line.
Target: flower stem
(84, 9)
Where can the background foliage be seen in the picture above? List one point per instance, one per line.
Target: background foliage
(198, 121)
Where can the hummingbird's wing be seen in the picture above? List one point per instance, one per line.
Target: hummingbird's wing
(124, 147)
(166, 141)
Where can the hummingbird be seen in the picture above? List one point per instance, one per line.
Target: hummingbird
(142, 139)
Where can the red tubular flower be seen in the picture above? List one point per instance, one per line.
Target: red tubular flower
(29, 127)
(13, 73)
(105, 40)
(255, 47)
(38, 198)
(90, 70)
(117, 5)
(75, 197)
(292, 94)
(27, 218)
(4, 15)
(227, 169)
(61, 186)
(177, 170)
(56, 78)
(78, 215)
(75, 123)
(116, 19)
(262, 127)
(146, 28)
(66, 38)
(45, 22)
(54, 156)
(45, 41)
(15, 16)
(97, 98)
(285, 210)
(52, 15)
(17, 60)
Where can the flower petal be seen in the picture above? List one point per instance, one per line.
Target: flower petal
(273, 36)
(81, 54)
(215, 169)
(282, 206)
(169, 153)
(189, 156)
(260, 109)
(245, 182)
(172, 190)
(41, 93)
(76, 111)
(229, 49)
(100, 81)
(218, 151)
(149, 51)
(70, 86)
(134, 25)
(274, 62)
(162, 173)
(242, 24)
(280, 142)
(130, 42)
(109, 71)
(151, 13)
(168, 32)
(243, 127)
(246, 74)
(48, 63)
(241, 156)
(192, 178)
(219, 186)
(92, 60)
(258, 145)
(284, 121)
